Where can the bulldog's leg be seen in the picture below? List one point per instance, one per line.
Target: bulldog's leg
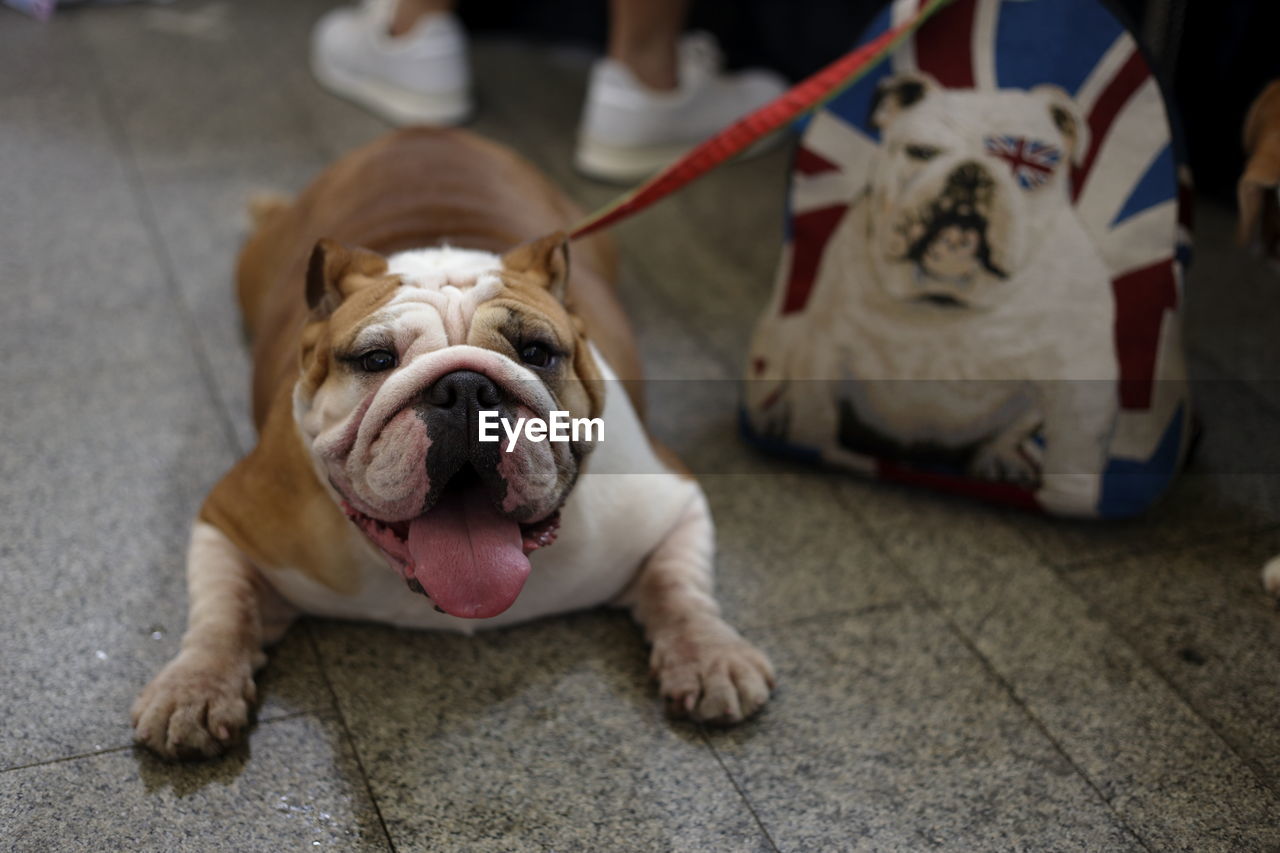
(705, 669)
(1079, 419)
(199, 703)
(1004, 459)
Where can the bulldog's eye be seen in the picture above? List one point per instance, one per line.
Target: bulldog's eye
(921, 152)
(537, 355)
(378, 360)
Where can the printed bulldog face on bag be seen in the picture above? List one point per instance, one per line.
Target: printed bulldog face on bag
(965, 187)
(980, 285)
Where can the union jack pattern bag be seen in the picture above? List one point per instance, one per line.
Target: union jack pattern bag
(981, 280)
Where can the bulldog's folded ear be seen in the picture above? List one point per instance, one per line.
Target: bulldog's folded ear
(1066, 117)
(545, 261)
(336, 271)
(896, 93)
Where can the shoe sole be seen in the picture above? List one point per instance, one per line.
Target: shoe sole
(620, 164)
(391, 103)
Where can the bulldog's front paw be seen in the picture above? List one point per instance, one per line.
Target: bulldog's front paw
(196, 707)
(707, 671)
(1006, 461)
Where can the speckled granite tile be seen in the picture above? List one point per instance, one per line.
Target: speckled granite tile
(678, 364)
(108, 441)
(788, 549)
(334, 126)
(543, 737)
(218, 84)
(71, 242)
(889, 734)
(1233, 298)
(1171, 778)
(523, 99)
(712, 261)
(202, 217)
(299, 789)
(1202, 619)
(43, 58)
(102, 466)
(696, 415)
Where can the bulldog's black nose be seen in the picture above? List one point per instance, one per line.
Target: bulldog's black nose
(463, 390)
(969, 177)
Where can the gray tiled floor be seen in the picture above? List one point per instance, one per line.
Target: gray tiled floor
(951, 676)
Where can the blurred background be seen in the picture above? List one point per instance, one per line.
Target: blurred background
(1216, 55)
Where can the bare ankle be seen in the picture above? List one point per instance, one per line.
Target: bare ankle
(409, 12)
(653, 65)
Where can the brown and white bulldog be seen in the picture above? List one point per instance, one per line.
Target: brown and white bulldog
(369, 495)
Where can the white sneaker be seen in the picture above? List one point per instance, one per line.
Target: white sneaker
(421, 77)
(629, 131)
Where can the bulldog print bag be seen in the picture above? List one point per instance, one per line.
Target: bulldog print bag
(980, 285)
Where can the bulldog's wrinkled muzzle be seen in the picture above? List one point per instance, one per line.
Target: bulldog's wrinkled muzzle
(952, 240)
(455, 516)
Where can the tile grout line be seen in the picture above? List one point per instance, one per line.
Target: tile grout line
(1007, 687)
(834, 616)
(346, 733)
(305, 120)
(124, 151)
(889, 607)
(746, 801)
(1255, 767)
(936, 606)
(132, 746)
(1065, 572)
(65, 758)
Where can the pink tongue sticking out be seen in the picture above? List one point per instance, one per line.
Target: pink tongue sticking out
(467, 557)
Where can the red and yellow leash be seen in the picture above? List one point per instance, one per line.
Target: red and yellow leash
(809, 94)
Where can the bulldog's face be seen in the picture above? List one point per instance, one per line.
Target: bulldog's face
(965, 186)
(399, 358)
